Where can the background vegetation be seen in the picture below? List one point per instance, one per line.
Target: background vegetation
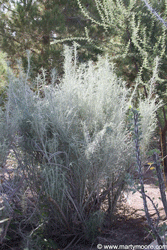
(66, 119)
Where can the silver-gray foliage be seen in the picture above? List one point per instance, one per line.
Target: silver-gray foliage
(75, 136)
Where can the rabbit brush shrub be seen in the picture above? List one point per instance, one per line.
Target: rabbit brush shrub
(76, 139)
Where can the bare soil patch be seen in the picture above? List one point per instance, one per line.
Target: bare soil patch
(129, 226)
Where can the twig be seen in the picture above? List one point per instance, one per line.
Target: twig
(60, 211)
(150, 223)
(3, 235)
(157, 212)
(155, 13)
(160, 182)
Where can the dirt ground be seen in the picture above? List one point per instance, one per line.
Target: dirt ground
(130, 227)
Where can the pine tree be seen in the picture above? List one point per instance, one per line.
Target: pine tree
(35, 25)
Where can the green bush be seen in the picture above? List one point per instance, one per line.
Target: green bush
(75, 141)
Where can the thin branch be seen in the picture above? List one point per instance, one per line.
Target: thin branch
(150, 223)
(60, 211)
(155, 13)
(164, 113)
(161, 182)
(9, 9)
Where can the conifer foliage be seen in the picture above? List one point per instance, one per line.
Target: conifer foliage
(34, 25)
(74, 144)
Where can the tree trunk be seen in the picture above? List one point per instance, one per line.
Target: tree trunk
(163, 146)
